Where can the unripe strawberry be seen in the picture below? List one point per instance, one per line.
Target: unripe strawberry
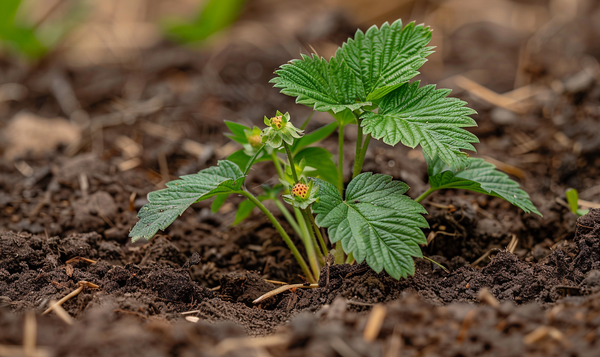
(300, 189)
(254, 141)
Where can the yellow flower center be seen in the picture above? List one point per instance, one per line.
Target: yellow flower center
(277, 121)
(300, 189)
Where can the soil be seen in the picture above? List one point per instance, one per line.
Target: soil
(190, 290)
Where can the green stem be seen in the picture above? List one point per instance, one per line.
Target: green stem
(277, 164)
(288, 216)
(286, 238)
(425, 194)
(313, 239)
(358, 163)
(339, 253)
(318, 232)
(341, 159)
(308, 244)
(291, 161)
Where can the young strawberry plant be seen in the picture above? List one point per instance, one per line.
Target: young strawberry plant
(368, 84)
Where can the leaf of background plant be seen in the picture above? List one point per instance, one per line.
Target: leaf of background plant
(385, 58)
(244, 209)
(376, 222)
(480, 176)
(313, 137)
(320, 84)
(21, 38)
(218, 202)
(320, 160)
(165, 205)
(424, 116)
(215, 16)
(237, 132)
(240, 158)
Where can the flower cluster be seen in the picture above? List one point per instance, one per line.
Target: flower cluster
(302, 195)
(279, 129)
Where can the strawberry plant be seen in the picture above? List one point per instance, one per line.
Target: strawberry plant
(367, 83)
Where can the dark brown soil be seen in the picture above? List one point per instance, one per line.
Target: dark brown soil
(78, 201)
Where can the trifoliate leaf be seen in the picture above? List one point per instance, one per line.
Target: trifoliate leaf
(424, 116)
(320, 84)
(376, 222)
(385, 58)
(165, 205)
(480, 176)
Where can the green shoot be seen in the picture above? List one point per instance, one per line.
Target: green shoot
(368, 84)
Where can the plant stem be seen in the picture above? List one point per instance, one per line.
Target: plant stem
(288, 216)
(359, 140)
(318, 232)
(341, 159)
(283, 234)
(313, 239)
(425, 194)
(308, 244)
(340, 257)
(277, 164)
(359, 161)
(291, 161)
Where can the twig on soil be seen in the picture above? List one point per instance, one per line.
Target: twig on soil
(513, 244)
(78, 259)
(485, 255)
(216, 288)
(542, 332)
(516, 105)
(232, 344)
(284, 288)
(29, 334)
(192, 319)
(81, 284)
(438, 264)
(61, 313)
(462, 334)
(395, 342)
(17, 351)
(84, 185)
(275, 282)
(374, 323)
(189, 312)
(485, 296)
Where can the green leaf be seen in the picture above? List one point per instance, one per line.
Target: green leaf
(321, 161)
(573, 200)
(218, 202)
(215, 16)
(320, 84)
(385, 58)
(165, 205)
(313, 137)
(480, 176)
(376, 222)
(240, 158)
(424, 116)
(244, 210)
(238, 132)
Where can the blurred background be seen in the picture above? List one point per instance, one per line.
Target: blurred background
(144, 86)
